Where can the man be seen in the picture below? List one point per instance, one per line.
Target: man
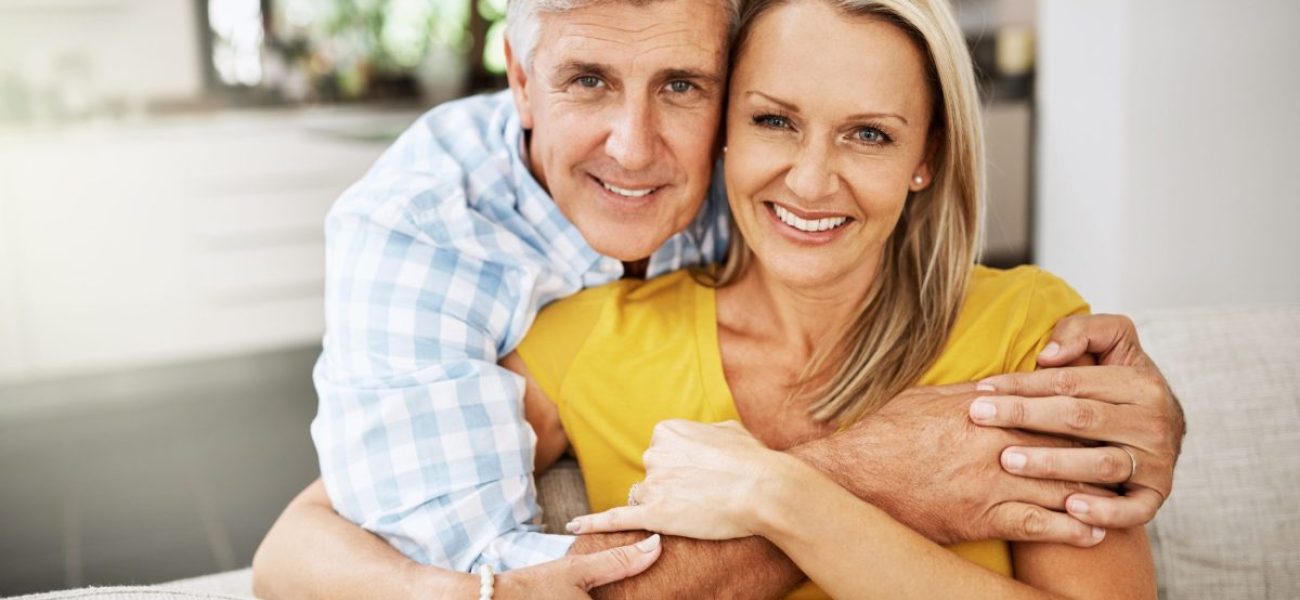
(600, 157)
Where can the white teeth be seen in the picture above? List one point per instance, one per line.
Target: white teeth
(626, 192)
(810, 226)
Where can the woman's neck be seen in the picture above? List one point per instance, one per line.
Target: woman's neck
(800, 317)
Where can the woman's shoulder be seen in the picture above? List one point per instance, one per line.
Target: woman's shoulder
(607, 320)
(1004, 322)
(1009, 289)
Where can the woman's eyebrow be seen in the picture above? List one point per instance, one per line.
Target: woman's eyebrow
(877, 115)
(792, 107)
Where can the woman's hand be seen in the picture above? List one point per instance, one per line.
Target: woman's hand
(704, 481)
(571, 577)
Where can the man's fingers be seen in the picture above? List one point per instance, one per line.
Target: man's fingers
(1118, 385)
(622, 518)
(592, 570)
(1019, 522)
(1101, 465)
(1111, 337)
(1136, 507)
(1063, 415)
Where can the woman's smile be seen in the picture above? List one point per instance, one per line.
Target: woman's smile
(807, 226)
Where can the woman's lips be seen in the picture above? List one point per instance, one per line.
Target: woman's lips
(818, 225)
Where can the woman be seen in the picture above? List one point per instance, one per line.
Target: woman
(854, 179)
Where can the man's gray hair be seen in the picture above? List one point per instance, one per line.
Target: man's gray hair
(523, 27)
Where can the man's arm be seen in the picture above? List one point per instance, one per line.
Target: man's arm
(347, 562)
(421, 436)
(948, 498)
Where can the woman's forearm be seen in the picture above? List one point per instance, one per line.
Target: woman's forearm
(312, 552)
(853, 550)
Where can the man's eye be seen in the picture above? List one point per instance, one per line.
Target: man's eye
(588, 81)
(772, 121)
(870, 135)
(680, 87)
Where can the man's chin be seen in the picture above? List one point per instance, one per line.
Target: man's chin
(624, 242)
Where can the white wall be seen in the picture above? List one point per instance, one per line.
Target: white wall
(128, 245)
(1168, 134)
(132, 50)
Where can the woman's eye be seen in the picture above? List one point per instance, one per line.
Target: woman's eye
(772, 121)
(870, 135)
(588, 81)
(680, 87)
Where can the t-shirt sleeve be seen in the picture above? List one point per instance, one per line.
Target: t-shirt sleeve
(1050, 299)
(559, 335)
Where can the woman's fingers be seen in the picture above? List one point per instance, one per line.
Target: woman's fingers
(622, 518)
(587, 571)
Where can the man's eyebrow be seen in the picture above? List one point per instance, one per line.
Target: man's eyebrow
(857, 117)
(691, 75)
(587, 68)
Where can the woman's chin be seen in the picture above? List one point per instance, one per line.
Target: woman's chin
(808, 273)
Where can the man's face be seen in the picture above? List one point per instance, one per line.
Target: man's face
(624, 104)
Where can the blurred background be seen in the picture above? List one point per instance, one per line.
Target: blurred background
(165, 167)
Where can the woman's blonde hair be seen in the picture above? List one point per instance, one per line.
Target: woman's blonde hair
(927, 261)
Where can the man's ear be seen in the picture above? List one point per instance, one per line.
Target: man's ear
(518, 78)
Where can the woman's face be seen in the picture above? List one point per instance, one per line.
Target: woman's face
(827, 128)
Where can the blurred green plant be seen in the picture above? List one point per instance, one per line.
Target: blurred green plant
(348, 44)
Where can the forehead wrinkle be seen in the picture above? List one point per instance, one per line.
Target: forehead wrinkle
(615, 38)
(687, 62)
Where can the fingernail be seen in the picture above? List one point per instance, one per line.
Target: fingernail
(983, 411)
(1098, 533)
(985, 386)
(1014, 461)
(1078, 507)
(1050, 350)
(573, 526)
(649, 544)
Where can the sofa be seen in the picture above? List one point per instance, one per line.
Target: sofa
(1231, 529)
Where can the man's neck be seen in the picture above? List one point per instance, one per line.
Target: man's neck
(636, 269)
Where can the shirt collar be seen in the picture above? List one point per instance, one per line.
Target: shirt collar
(566, 243)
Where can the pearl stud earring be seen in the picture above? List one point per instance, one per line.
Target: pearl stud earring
(918, 180)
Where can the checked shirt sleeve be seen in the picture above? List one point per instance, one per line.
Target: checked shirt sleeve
(421, 436)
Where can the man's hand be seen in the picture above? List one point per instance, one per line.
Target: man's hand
(1124, 403)
(923, 461)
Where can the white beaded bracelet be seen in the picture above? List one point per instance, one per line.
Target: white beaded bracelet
(485, 578)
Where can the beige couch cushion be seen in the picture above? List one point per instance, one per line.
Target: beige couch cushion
(1232, 526)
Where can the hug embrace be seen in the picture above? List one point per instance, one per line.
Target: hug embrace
(724, 252)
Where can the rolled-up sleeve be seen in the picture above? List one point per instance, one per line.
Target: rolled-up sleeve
(421, 436)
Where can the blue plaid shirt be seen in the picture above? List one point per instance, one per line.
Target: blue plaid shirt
(437, 261)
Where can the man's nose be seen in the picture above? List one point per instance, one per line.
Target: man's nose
(813, 176)
(634, 136)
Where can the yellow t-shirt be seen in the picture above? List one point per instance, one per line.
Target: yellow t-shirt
(618, 359)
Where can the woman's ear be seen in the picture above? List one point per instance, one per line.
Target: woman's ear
(517, 75)
(923, 176)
